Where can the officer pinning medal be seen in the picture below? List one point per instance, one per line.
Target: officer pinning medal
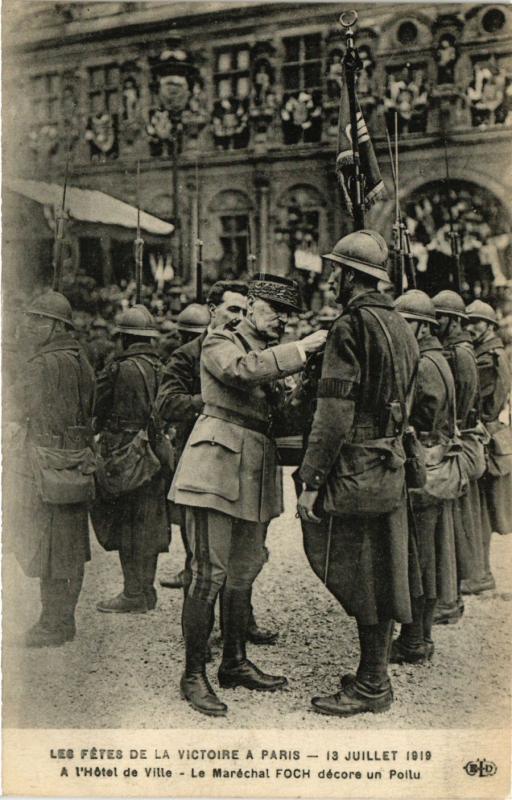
(345, 399)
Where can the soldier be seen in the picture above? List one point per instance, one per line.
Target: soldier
(364, 375)
(458, 350)
(230, 483)
(135, 523)
(432, 416)
(179, 401)
(53, 405)
(100, 349)
(495, 383)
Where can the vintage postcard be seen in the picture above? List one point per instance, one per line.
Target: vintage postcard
(257, 372)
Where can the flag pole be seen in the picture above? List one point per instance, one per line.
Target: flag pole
(352, 64)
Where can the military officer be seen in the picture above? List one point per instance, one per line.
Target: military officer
(52, 403)
(229, 481)
(495, 383)
(364, 373)
(458, 350)
(432, 416)
(134, 523)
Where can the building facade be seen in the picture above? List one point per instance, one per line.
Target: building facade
(231, 110)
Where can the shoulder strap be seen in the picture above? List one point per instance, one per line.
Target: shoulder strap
(243, 341)
(453, 416)
(405, 401)
(153, 412)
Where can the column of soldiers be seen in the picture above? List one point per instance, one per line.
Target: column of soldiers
(389, 552)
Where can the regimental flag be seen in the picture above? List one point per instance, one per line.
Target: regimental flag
(373, 185)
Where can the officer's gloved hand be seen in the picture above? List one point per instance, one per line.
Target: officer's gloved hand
(315, 341)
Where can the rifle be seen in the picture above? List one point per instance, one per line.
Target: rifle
(352, 64)
(138, 246)
(403, 262)
(58, 244)
(454, 236)
(199, 271)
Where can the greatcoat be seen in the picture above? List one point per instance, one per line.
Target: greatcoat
(122, 408)
(54, 395)
(496, 484)
(372, 566)
(229, 463)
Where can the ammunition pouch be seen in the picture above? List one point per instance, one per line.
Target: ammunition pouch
(63, 477)
(125, 467)
(499, 455)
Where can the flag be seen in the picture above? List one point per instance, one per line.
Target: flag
(373, 185)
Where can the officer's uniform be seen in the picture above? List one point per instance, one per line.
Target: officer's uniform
(495, 383)
(432, 416)
(366, 565)
(135, 523)
(53, 404)
(229, 480)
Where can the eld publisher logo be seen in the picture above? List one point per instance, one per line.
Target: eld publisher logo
(481, 768)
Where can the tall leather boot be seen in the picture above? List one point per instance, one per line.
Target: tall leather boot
(194, 684)
(371, 689)
(428, 622)
(257, 635)
(410, 646)
(236, 669)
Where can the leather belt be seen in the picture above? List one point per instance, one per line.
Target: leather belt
(256, 425)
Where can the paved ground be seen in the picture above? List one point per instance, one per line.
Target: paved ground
(123, 671)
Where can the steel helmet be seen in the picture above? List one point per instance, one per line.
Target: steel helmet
(480, 310)
(364, 250)
(195, 318)
(415, 304)
(137, 321)
(53, 305)
(449, 303)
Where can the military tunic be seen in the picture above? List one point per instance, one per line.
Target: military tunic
(372, 562)
(496, 484)
(55, 394)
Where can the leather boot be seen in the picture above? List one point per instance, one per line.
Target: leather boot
(370, 690)
(194, 684)
(410, 647)
(56, 624)
(236, 669)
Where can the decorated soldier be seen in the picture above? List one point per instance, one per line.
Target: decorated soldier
(353, 469)
(49, 479)
(130, 514)
(432, 416)
(495, 383)
(458, 350)
(230, 483)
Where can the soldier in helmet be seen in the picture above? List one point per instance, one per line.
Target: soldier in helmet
(458, 350)
(53, 405)
(230, 483)
(495, 383)
(135, 523)
(363, 559)
(99, 348)
(432, 416)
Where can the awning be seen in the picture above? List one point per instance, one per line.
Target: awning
(89, 205)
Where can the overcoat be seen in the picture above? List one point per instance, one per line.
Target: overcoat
(496, 484)
(122, 408)
(54, 394)
(432, 416)
(179, 399)
(459, 352)
(372, 564)
(229, 463)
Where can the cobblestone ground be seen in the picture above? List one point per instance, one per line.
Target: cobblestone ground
(123, 671)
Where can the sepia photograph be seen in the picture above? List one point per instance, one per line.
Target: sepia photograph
(257, 410)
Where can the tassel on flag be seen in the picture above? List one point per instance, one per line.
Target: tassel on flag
(374, 188)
